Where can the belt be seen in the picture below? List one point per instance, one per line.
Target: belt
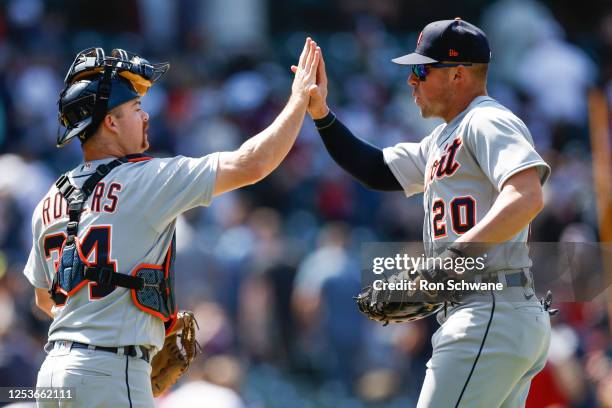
(509, 278)
(131, 351)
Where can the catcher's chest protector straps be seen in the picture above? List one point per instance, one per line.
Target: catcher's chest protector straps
(72, 273)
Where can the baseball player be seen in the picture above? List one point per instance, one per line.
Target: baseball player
(481, 178)
(103, 236)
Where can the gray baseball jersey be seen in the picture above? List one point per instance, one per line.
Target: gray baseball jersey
(461, 167)
(128, 220)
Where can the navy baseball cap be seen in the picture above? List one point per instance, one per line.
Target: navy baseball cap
(449, 40)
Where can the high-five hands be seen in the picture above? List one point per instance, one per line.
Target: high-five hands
(317, 91)
(304, 82)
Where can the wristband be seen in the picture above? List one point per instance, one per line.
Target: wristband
(325, 122)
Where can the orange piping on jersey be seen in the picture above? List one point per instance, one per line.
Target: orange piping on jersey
(75, 289)
(167, 265)
(173, 319)
(173, 316)
(139, 159)
(133, 292)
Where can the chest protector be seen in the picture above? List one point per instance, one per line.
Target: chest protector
(151, 286)
(156, 296)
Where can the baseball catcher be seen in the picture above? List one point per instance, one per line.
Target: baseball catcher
(103, 250)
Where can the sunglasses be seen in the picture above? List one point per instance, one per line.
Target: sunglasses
(421, 71)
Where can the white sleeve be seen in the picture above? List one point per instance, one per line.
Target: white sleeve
(175, 185)
(407, 162)
(502, 146)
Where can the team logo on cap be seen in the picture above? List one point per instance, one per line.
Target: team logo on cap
(453, 53)
(420, 38)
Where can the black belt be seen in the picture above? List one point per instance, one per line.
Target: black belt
(513, 280)
(127, 350)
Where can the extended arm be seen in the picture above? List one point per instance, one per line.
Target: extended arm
(359, 158)
(262, 153)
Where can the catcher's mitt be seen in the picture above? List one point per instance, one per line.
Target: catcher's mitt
(173, 360)
(405, 305)
(387, 307)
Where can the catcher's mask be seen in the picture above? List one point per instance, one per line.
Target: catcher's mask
(96, 83)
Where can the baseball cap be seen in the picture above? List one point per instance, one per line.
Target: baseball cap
(449, 40)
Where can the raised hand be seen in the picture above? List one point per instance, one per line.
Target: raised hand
(304, 83)
(317, 106)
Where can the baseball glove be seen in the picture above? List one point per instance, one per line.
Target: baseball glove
(387, 307)
(173, 360)
(404, 305)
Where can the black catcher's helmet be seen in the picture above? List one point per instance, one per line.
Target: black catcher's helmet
(95, 84)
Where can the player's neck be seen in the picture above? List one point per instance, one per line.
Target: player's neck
(93, 150)
(462, 103)
(94, 157)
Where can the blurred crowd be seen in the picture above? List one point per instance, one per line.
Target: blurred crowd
(270, 270)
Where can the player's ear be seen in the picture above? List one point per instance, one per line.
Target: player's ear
(460, 73)
(110, 122)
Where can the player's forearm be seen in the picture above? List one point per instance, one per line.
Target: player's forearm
(359, 158)
(265, 151)
(46, 309)
(43, 301)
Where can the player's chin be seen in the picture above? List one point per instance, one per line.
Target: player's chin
(422, 108)
(425, 113)
(145, 142)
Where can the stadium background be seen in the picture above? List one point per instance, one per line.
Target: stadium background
(271, 269)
